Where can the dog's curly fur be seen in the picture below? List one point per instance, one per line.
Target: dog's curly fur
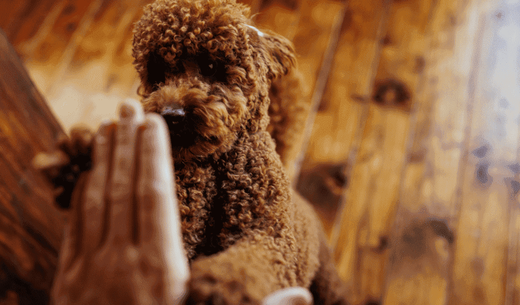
(288, 111)
(245, 232)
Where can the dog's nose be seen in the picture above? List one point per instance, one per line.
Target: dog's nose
(173, 114)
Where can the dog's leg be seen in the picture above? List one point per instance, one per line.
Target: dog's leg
(259, 264)
(243, 274)
(64, 166)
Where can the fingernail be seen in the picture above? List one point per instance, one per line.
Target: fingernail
(104, 131)
(105, 126)
(126, 111)
(106, 122)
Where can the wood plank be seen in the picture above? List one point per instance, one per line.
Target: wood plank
(49, 53)
(337, 113)
(350, 78)
(30, 224)
(99, 74)
(122, 78)
(21, 20)
(482, 243)
(9, 11)
(288, 110)
(513, 260)
(421, 244)
(363, 230)
(281, 17)
(317, 43)
(323, 186)
(314, 42)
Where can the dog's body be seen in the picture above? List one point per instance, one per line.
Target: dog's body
(208, 72)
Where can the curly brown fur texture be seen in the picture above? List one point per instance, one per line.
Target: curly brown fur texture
(208, 72)
(288, 113)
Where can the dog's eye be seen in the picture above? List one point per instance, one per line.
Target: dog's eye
(157, 68)
(207, 67)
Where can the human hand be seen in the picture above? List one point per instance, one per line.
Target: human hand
(123, 244)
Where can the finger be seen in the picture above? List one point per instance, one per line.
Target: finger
(155, 185)
(73, 229)
(289, 296)
(121, 185)
(93, 204)
(158, 212)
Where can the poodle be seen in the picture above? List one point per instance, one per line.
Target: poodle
(208, 72)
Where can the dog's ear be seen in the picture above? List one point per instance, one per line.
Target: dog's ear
(279, 53)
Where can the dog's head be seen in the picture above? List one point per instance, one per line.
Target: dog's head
(207, 71)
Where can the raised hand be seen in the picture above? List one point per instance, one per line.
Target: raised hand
(123, 244)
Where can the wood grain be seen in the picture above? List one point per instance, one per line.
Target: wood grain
(21, 20)
(340, 113)
(30, 224)
(253, 4)
(423, 236)
(49, 53)
(488, 185)
(513, 260)
(364, 226)
(317, 42)
(333, 125)
(280, 16)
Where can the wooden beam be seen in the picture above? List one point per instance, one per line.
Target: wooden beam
(49, 53)
(512, 296)
(22, 20)
(423, 238)
(489, 184)
(30, 224)
(362, 235)
(93, 69)
(338, 113)
(281, 17)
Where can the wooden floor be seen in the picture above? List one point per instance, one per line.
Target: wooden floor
(412, 154)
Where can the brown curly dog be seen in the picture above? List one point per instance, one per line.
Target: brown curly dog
(208, 72)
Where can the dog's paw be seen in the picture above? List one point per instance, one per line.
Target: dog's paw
(63, 166)
(205, 288)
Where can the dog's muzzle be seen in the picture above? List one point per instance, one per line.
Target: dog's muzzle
(173, 115)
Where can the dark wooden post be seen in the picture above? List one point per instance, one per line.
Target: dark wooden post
(30, 223)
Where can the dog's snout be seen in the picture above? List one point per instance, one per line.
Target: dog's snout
(173, 114)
